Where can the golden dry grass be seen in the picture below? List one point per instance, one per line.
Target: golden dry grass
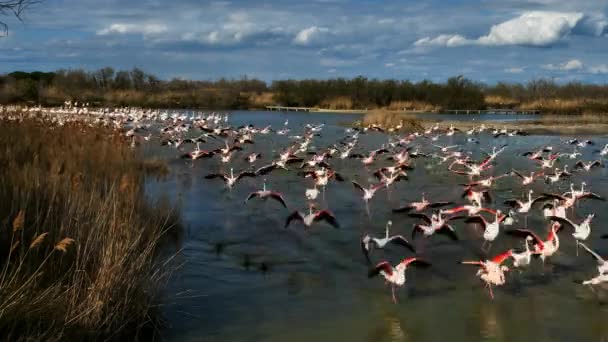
(79, 241)
(388, 119)
(338, 103)
(413, 106)
(568, 106)
(261, 100)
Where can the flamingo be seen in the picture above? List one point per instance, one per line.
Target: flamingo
(368, 242)
(420, 206)
(435, 224)
(587, 166)
(492, 272)
(544, 249)
(266, 194)
(526, 180)
(368, 193)
(396, 275)
(581, 230)
(231, 179)
(524, 258)
(253, 157)
(312, 217)
(490, 229)
(602, 265)
(476, 197)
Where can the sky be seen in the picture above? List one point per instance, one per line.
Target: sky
(484, 40)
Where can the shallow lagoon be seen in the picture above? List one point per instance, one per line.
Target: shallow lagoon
(316, 286)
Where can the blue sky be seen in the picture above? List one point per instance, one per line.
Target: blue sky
(485, 40)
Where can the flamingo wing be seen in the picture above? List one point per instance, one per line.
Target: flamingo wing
(245, 174)
(216, 175)
(327, 216)
(264, 170)
(415, 262)
(382, 266)
(278, 197)
(563, 221)
(296, 215)
(477, 219)
(403, 209)
(339, 177)
(449, 231)
(439, 204)
(500, 258)
(525, 233)
(420, 216)
(252, 195)
(592, 196)
(358, 186)
(401, 241)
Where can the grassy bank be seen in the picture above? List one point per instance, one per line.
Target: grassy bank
(79, 242)
(545, 124)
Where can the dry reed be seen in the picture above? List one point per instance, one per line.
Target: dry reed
(82, 260)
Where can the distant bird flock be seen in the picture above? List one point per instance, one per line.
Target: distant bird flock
(200, 136)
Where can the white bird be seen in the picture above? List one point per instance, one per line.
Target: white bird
(368, 242)
(492, 272)
(396, 275)
(602, 265)
(312, 217)
(524, 258)
(266, 194)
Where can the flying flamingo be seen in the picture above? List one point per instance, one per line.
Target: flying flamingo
(492, 272)
(368, 242)
(581, 230)
(544, 249)
(420, 206)
(587, 166)
(523, 259)
(231, 179)
(434, 224)
(490, 229)
(266, 194)
(396, 275)
(312, 217)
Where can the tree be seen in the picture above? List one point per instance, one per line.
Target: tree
(14, 7)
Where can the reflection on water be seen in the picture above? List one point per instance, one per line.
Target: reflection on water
(246, 278)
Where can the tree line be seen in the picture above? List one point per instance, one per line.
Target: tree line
(109, 87)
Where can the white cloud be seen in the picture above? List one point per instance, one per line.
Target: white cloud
(536, 28)
(599, 69)
(448, 40)
(145, 29)
(532, 28)
(307, 35)
(514, 70)
(389, 65)
(573, 64)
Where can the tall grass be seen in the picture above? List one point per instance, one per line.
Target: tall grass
(80, 245)
(388, 119)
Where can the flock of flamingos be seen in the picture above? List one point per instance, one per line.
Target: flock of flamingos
(390, 163)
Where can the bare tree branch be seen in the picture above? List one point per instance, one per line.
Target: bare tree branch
(13, 7)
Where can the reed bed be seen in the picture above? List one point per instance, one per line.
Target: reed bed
(388, 119)
(82, 251)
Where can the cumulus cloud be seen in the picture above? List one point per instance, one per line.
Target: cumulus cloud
(573, 64)
(120, 28)
(307, 35)
(536, 28)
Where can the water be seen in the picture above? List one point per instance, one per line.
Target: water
(317, 286)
